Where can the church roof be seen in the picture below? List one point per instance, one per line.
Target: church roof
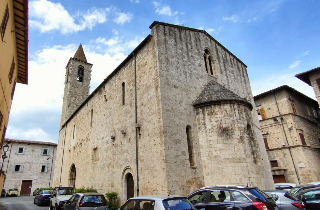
(214, 92)
(79, 55)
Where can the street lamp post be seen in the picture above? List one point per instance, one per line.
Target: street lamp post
(4, 156)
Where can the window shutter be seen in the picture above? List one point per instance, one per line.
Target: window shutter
(48, 151)
(24, 150)
(293, 108)
(21, 168)
(263, 114)
(46, 169)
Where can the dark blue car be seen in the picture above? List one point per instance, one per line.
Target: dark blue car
(43, 198)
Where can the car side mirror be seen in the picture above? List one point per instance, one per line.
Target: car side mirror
(274, 197)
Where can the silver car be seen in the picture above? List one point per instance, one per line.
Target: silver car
(86, 201)
(283, 202)
(158, 203)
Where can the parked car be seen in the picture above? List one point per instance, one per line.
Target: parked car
(310, 198)
(284, 186)
(86, 201)
(283, 202)
(158, 203)
(59, 197)
(231, 197)
(314, 183)
(35, 192)
(13, 192)
(296, 190)
(43, 198)
(3, 193)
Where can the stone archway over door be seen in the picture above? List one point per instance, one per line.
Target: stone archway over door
(72, 176)
(130, 186)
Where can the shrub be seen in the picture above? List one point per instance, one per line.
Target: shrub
(112, 200)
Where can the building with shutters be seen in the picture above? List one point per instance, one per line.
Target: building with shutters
(312, 78)
(290, 123)
(13, 57)
(176, 115)
(29, 165)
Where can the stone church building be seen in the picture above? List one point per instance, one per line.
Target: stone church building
(176, 115)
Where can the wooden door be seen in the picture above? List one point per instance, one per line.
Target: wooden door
(26, 187)
(279, 179)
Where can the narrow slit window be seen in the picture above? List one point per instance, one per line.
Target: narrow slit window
(91, 117)
(303, 141)
(123, 93)
(190, 146)
(4, 22)
(18, 168)
(80, 75)
(74, 132)
(266, 143)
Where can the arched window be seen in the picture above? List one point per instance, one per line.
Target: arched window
(123, 93)
(190, 146)
(80, 73)
(72, 176)
(208, 62)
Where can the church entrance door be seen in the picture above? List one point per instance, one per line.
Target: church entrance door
(130, 186)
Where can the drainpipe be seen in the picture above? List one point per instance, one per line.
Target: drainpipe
(294, 165)
(136, 121)
(64, 143)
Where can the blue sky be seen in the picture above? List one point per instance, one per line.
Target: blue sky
(276, 39)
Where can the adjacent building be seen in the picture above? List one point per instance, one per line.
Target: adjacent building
(13, 57)
(312, 78)
(29, 165)
(176, 115)
(289, 122)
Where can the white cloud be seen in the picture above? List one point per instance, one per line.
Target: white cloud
(210, 30)
(295, 64)
(166, 10)
(32, 134)
(134, 1)
(48, 16)
(122, 18)
(232, 18)
(304, 53)
(156, 4)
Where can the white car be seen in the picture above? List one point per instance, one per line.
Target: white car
(59, 197)
(158, 203)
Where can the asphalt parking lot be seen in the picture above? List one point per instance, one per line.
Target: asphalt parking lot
(20, 203)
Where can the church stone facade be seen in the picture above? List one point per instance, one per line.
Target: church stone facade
(174, 116)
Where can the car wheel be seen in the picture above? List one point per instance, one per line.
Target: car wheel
(34, 201)
(56, 207)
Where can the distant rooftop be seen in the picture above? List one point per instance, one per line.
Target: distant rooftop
(30, 142)
(304, 76)
(283, 87)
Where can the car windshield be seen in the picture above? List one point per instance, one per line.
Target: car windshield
(93, 200)
(294, 190)
(65, 192)
(177, 204)
(46, 192)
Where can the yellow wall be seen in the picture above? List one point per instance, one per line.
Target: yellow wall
(7, 53)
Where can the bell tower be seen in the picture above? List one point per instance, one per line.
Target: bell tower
(77, 84)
